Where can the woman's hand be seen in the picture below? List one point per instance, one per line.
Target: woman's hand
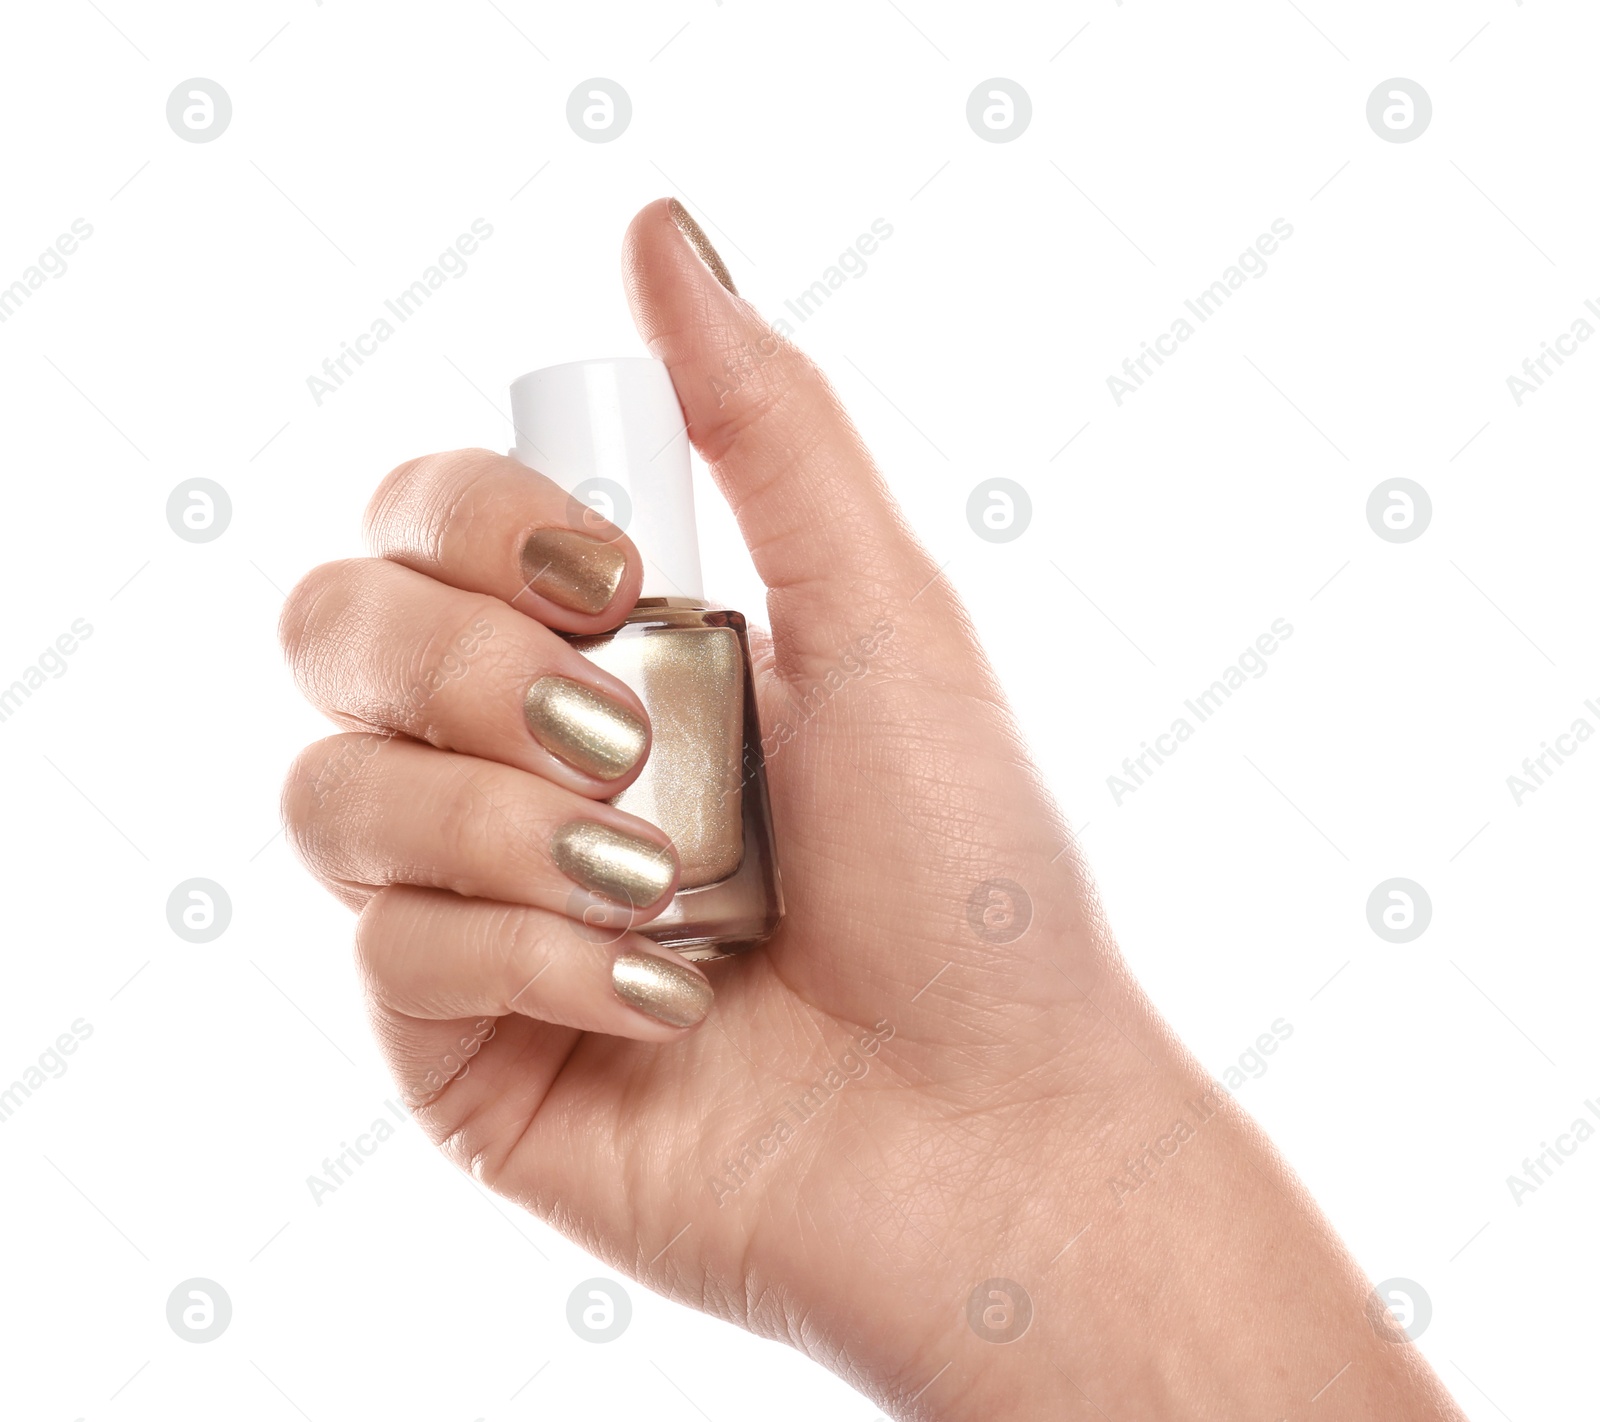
(931, 1077)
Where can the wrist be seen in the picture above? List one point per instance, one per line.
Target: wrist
(1127, 1242)
(962, 1294)
(1034, 1298)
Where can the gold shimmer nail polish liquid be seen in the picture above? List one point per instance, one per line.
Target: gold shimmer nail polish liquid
(611, 432)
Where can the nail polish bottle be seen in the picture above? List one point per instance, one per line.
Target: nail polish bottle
(611, 433)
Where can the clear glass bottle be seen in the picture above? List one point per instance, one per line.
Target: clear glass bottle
(611, 433)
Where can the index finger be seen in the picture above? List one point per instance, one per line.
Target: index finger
(485, 523)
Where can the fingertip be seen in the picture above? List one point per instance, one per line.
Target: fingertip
(667, 260)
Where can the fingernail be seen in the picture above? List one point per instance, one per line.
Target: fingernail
(618, 866)
(584, 728)
(701, 243)
(670, 992)
(572, 569)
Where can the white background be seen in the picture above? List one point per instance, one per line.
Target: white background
(1228, 492)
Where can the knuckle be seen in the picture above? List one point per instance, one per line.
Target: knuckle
(311, 788)
(397, 491)
(767, 395)
(310, 604)
(418, 500)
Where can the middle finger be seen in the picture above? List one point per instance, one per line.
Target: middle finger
(378, 645)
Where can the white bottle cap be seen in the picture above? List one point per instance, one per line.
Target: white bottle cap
(611, 433)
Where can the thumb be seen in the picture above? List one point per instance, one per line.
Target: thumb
(821, 526)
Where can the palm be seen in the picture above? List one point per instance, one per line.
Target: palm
(670, 1159)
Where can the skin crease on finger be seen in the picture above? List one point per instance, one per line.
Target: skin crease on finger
(915, 1087)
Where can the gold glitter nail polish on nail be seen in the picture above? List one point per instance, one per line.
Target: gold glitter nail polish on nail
(618, 866)
(669, 992)
(572, 569)
(584, 728)
(701, 243)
